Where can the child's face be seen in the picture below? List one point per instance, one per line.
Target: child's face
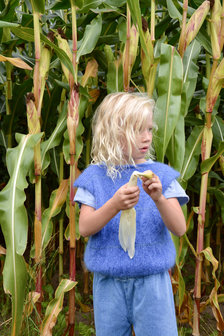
(143, 142)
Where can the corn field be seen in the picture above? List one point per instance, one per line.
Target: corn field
(58, 60)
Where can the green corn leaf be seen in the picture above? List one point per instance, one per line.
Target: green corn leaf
(176, 148)
(218, 131)
(90, 38)
(115, 76)
(78, 3)
(190, 72)
(57, 199)
(174, 10)
(54, 139)
(13, 218)
(6, 24)
(38, 6)
(207, 165)
(203, 38)
(55, 306)
(181, 287)
(90, 4)
(192, 153)
(27, 34)
(8, 13)
(168, 105)
(115, 3)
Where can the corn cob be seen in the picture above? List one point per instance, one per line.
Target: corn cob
(127, 226)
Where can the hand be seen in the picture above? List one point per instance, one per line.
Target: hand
(152, 187)
(126, 197)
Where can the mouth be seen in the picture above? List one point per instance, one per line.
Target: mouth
(144, 149)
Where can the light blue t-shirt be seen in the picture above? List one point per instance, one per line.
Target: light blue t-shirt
(83, 196)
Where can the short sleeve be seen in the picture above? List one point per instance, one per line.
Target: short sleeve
(175, 190)
(83, 196)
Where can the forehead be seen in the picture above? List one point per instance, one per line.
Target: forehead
(146, 116)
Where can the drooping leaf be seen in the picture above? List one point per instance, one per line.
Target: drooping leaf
(29, 305)
(203, 38)
(55, 306)
(168, 105)
(90, 38)
(16, 62)
(206, 165)
(174, 10)
(218, 131)
(27, 34)
(90, 71)
(5, 24)
(13, 218)
(214, 293)
(90, 4)
(54, 139)
(192, 153)
(57, 199)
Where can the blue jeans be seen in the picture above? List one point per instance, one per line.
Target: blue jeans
(146, 303)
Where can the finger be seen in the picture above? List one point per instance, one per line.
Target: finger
(132, 190)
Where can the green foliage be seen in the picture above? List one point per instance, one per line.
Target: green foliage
(180, 87)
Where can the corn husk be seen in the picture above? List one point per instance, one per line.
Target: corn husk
(193, 26)
(127, 226)
(215, 27)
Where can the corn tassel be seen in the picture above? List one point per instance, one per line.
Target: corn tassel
(127, 226)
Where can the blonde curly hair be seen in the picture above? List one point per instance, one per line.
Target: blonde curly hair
(116, 122)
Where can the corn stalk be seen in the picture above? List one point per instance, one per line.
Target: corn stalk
(34, 115)
(215, 84)
(72, 124)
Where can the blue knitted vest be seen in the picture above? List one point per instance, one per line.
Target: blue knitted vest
(154, 249)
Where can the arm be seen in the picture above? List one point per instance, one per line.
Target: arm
(92, 221)
(170, 209)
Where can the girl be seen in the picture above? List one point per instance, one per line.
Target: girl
(129, 292)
